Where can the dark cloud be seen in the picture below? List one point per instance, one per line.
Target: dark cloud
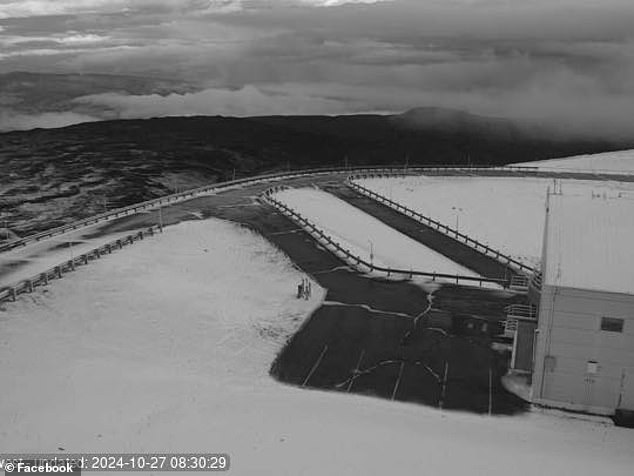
(568, 64)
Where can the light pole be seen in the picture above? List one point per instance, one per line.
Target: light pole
(458, 211)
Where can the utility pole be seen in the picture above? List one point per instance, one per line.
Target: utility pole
(458, 210)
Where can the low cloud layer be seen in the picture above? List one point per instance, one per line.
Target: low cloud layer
(565, 64)
(22, 122)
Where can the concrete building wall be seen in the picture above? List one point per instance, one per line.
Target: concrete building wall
(578, 365)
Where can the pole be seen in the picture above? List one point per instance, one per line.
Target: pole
(371, 252)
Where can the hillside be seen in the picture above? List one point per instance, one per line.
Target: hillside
(53, 176)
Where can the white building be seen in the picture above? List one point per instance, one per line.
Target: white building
(583, 344)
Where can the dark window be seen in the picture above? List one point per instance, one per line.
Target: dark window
(611, 324)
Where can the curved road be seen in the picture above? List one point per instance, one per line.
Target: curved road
(386, 338)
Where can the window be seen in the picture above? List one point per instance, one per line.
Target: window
(611, 324)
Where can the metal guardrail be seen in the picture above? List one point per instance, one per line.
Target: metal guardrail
(11, 293)
(522, 312)
(220, 186)
(587, 171)
(536, 281)
(447, 230)
(355, 260)
(516, 313)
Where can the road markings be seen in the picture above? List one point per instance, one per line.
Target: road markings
(316, 364)
(398, 380)
(356, 370)
(443, 391)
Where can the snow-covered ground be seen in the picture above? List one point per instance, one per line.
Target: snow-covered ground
(166, 346)
(621, 161)
(39, 256)
(364, 235)
(505, 213)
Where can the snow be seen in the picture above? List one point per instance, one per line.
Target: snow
(600, 230)
(363, 234)
(166, 347)
(621, 161)
(48, 253)
(506, 213)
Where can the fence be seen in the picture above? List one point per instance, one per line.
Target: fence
(217, 187)
(28, 285)
(358, 262)
(447, 230)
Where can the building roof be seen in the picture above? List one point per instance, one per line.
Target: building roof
(589, 242)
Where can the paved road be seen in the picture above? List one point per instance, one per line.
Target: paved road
(371, 336)
(441, 243)
(368, 324)
(372, 318)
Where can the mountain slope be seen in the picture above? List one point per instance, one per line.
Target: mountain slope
(52, 176)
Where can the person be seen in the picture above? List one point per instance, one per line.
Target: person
(300, 289)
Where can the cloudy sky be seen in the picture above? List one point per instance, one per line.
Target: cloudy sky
(565, 63)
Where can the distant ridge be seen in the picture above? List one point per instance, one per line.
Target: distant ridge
(53, 176)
